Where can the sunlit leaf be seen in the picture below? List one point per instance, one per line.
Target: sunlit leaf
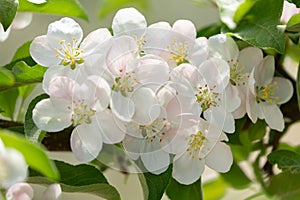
(286, 160)
(177, 191)
(8, 10)
(214, 189)
(70, 8)
(34, 155)
(6, 77)
(8, 101)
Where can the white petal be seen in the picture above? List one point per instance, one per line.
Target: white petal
(199, 52)
(187, 170)
(20, 191)
(220, 158)
(132, 146)
(285, 91)
(160, 25)
(86, 142)
(252, 107)
(49, 118)
(128, 20)
(241, 110)
(223, 46)
(185, 27)
(21, 20)
(42, 52)
(64, 29)
(62, 89)
(14, 166)
(273, 116)
(147, 107)
(37, 1)
(265, 71)
(111, 128)
(250, 57)
(156, 161)
(4, 35)
(53, 192)
(220, 118)
(122, 107)
(232, 98)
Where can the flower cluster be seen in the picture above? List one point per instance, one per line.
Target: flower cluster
(165, 95)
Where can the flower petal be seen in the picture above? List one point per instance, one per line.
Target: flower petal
(250, 57)
(53, 192)
(252, 107)
(21, 20)
(20, 191)
(273, 116)
(285, 91)
(219, 158)
(265, 71)
(185, 27)
(86, 142)
(156, 161)
(187, 170)
(4, 34)
(122, 107)
(47, 117)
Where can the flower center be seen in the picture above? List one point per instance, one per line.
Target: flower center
(140, 41)
(125, 83)
(69, 53)
(195, 144)
(178, 51)
(267, 93)
(81, 113)
(238, 76)
(156, 129)
(206, 97)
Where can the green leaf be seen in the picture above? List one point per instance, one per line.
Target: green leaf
(236, 177)
(154, 185)
(23, 54)
(298, 86)
(209, 30)
(285, 186)
(108, 6)
(34, 155)
(79, 178)
(242, 10)
(8, 101)
(286, 160)
(70, 8)
(8, 10)
(215, 189)
(258, 26)
(32, 132)
(257, 131)
(6, 77)
(177, 191)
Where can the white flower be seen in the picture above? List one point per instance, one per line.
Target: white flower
(241, 64)
(53, 192)
(289, 9)
(266, 93)
(62, 45)
(13, 168)
(84, 106)
(204, 90)
(199, 143)
(20, 191)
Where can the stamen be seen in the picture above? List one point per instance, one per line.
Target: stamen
(268, 93)
(206, 97)
(82, 113)
(178, 51)
(238, 76)
(195, 145)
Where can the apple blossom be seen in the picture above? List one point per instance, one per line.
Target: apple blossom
(266, 93)
(289, 9)
(19, 191)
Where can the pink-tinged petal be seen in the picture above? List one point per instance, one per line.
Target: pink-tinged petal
(121, 54)
(156, 161)
(64, 29)
(20, 191)
(165, 94)
(111, 128)
(216, 74)
(47, 117)
(252, 107)
(147, 107)
(21, 20)
(122, 107)
(219, 158)
(96, 41)
(232, 98)
(42, 52)
(273, 116)
(62, 89)
(223, 46)
(250, 57)
(220, 118)
(289, 9)
(185, 27)
(200, 51)
(53, 192)
(241, 110)
(265, 71)
(187, 170)
(86, 142)
(152, 70)
(4, 34)
(128, 20)
(285, 89)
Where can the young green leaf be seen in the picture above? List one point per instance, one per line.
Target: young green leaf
(8, 10)
(34, 155)
(258, 26)
(79, 178)
(286, 160)
(8, 101)
(154, 185)
(214, 189)
(6, 77)
(70, 8)
(177, 191)
(32, 132)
